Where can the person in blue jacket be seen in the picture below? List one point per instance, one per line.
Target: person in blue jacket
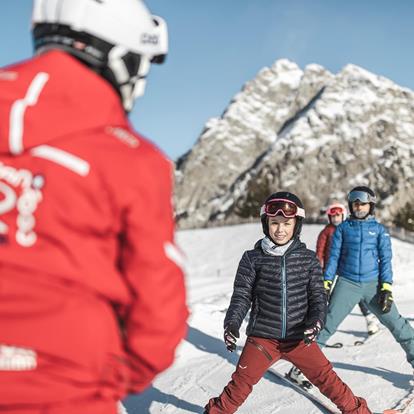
(361, 256)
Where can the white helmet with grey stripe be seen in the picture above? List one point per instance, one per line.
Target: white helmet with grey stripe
(118, 39)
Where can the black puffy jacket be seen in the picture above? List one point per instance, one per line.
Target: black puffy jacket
(285, 293)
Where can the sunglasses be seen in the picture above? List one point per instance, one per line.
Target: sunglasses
(281, 206)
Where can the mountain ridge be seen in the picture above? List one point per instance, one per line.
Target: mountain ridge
(300, 130)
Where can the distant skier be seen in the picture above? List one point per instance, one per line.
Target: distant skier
(336, 213)
(361, 255)
(281, 281)
(92, 297)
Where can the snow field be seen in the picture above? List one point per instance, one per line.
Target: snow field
(376, 371)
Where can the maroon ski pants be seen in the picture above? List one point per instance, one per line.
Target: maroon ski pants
(260, 353)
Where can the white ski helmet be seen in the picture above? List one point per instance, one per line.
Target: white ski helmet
(116, 38)
(335, 209)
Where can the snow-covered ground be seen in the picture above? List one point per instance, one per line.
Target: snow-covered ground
(377, 371)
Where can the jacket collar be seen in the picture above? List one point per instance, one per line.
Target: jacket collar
(370, 218)
(293, 245)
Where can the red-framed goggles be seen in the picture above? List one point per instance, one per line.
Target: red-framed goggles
(281, 206)
(335, 211)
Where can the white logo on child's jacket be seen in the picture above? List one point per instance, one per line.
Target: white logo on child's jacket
(372, 233)
(13, 358)
(20, 190)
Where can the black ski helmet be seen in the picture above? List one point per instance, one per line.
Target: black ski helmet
(365, 195)
(284, 195)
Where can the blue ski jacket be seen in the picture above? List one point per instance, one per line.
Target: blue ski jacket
(361, 252)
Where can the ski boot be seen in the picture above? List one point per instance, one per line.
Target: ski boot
(295, 375)
(372, 324)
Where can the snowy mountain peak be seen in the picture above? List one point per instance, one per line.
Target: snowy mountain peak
(309, 131)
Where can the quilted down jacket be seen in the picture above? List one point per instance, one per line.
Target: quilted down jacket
(285, 293)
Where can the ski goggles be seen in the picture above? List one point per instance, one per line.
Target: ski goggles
(335, 211)
(361, 196)
(281, 206)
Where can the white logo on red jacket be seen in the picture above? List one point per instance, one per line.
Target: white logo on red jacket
(123, 135)
(20, 190)
(13, 358)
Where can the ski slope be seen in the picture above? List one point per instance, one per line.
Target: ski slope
(376, 371)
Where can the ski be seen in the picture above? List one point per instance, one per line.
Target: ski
(321, 401)
(325, 406)
(336, 345)
(369, 338)
(404, 405)
(359, 342)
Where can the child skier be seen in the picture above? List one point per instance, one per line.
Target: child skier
(336, 215)
(361, 256)
(281, 281)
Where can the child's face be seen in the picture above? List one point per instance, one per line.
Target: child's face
(336, 219)
(281, 229)
(360, 210)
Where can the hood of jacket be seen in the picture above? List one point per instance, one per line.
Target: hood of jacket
(51, 96)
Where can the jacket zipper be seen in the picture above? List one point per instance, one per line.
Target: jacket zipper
(284, 297)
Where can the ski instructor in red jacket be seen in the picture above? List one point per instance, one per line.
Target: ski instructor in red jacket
(92, 297)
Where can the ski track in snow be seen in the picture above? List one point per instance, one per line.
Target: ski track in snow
(377, 371)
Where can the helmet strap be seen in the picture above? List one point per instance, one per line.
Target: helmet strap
(129, 72)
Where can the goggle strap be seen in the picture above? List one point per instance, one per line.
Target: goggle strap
(300, 212)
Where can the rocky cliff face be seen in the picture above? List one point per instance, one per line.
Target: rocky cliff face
(310, 132)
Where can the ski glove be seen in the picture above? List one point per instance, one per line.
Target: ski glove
(231, 333)
(311, 333)
(327, 284)
(385, 298)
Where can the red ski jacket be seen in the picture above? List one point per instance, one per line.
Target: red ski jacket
(323, 244)
(86, 202)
